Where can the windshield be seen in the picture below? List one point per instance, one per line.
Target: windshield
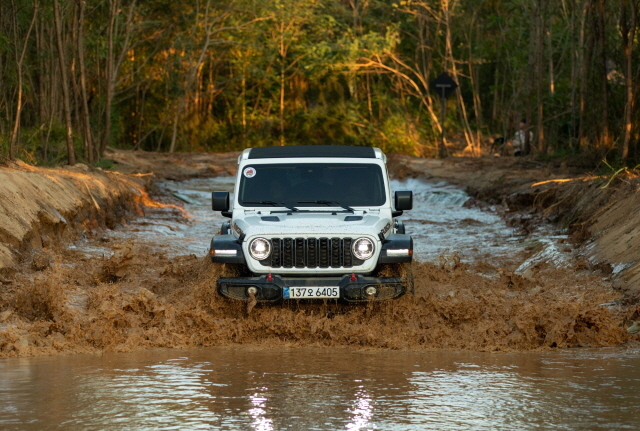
(312, 184)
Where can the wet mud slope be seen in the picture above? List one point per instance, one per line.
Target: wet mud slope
(44, 208)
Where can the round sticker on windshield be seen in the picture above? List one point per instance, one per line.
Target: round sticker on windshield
(249, 172)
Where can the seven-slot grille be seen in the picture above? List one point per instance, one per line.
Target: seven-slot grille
(311, 253)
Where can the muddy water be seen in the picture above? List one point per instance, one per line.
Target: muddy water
(480, 286)
(330, 389)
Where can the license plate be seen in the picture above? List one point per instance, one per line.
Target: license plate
(311, 292)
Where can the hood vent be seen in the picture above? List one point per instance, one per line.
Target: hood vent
(269, 218)
(353, 218)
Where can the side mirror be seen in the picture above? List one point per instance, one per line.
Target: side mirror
(404, 200)
(220, 201)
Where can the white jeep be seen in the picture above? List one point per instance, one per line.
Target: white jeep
(313, 222)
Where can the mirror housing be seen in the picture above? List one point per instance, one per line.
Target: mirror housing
(404, 200)
(220, 201)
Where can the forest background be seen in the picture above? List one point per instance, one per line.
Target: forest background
(78, 76)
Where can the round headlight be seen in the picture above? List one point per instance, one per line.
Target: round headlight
(260, 248)
(363, 248)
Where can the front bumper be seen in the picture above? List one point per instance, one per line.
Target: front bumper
(351, 290)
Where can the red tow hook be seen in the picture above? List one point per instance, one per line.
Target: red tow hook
(353, 277)
(269, 277)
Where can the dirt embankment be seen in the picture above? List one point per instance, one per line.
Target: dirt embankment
(601, 213)
(138, 298)
(41, 208)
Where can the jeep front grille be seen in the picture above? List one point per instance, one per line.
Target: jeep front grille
(311, 253)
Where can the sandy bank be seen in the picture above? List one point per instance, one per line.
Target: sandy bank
(601, 213)
(45, 207)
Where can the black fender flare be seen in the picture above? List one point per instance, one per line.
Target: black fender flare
(397, 248)
(227, 243)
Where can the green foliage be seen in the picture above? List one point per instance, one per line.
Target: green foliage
(615, 172)
(105, 164)
(232, 74)
(397, 135)
(4, 43)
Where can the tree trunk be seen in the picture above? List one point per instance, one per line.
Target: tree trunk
(575, 61)
(454, 70)
(475, 85)
(540, 81)
(71, 156)
(86, 123)
(114, 6)
(283, 54)
(529, 86)
(584, 50)
(243, 101)
(628, 22)
(607, 139)
(19, 61)
(174, 130)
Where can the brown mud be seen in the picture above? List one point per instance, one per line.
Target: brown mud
(56, 299)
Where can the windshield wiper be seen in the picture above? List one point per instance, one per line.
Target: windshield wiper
(331, 203)
(273, 203)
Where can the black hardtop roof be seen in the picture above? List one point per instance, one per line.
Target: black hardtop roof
(293, 151)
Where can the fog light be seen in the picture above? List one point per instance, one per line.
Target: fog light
(252, 290)
(371, 291)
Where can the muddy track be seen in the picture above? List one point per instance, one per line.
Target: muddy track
(138, 298)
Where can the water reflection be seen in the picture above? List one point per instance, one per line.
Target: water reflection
(362, 411)
(259, 413)
(173, 393)
(328, 389)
